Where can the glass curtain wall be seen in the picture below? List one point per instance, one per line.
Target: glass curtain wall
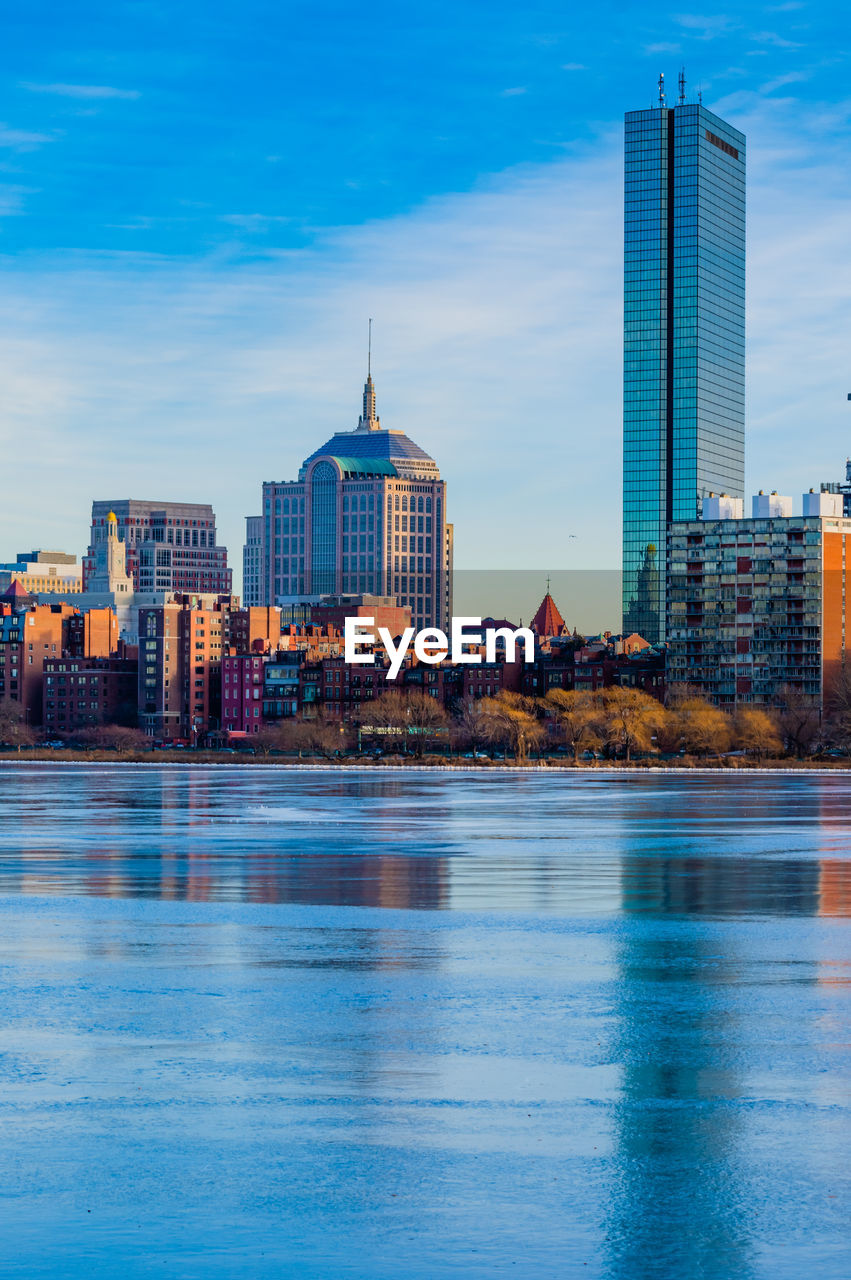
(684, 336)
(323, 529)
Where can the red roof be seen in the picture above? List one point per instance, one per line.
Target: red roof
(15, 591)
(548, 621)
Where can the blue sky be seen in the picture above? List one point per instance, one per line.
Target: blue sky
(201, 204)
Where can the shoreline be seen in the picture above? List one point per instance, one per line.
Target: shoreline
(559, 767)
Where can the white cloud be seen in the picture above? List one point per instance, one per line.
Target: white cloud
(705, 26)
(21, 139)
(12, 200)
(777, 41)
(81, 90)
(780, 82)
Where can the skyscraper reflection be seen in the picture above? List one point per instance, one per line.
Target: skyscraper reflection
(680, 1200)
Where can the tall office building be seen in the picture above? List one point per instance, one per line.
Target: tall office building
(169, 546)
(684, 336)
(367, 515)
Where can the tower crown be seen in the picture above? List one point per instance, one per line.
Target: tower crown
(369, 421)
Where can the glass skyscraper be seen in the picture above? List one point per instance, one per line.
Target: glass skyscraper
(684, 336)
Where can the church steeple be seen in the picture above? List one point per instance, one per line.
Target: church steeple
(369, 420)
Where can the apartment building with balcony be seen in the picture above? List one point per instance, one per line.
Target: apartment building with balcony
(758, 606)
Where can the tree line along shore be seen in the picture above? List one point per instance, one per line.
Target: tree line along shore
(618, 726)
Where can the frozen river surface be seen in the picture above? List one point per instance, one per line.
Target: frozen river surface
(406, 1026)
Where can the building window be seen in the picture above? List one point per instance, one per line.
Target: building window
(324, 528)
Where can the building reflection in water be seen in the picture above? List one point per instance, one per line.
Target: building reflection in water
(202, 836)
(681, 1203)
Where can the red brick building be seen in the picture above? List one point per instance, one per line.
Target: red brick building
(81, 692)
(180, 660)
(28, 636)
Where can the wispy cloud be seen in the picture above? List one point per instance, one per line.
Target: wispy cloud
(515, 92)
(705, 26)
(12, 200)
(662, 48)
(574, 66)
(780, 82)
(775, 40)
(22, 139)
(254, 222)
(81, 90)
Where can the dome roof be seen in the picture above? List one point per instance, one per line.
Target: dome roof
(380, 446)
(372, 450)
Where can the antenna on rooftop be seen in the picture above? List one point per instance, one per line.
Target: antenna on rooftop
(661, 88)
(682, 86)
(369, 351)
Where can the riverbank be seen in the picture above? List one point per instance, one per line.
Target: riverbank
(196, 758)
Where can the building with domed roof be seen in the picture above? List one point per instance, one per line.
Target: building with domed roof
(366, 516)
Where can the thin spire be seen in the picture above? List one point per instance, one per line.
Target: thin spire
(682, 86)
(369, 420)
(661, 88)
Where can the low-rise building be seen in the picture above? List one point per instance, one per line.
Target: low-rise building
(43, 571)
(82, 692)
(29, 635)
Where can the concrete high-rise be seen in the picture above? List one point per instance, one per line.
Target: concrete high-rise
(169, 546)
(252, 561)
(367, 515)
(684, 336)
(761, 606)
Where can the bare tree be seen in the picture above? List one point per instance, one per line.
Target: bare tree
(799, 723)
(113, 737)
(425, 717)
(579, 717)
(704, 729)
(387, 716)
(511, 720)
(14, 730)
(630, 719)
(470, 724)
(756, 732)
(322, 736)
(280, 735)
(407, 718)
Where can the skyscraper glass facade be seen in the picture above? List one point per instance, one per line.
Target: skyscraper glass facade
(684, 336)
(323, 516)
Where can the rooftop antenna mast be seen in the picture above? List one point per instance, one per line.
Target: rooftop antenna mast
(369, 351)
(661, 88)
(682, 86)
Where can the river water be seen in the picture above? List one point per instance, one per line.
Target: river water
(264, 1022)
